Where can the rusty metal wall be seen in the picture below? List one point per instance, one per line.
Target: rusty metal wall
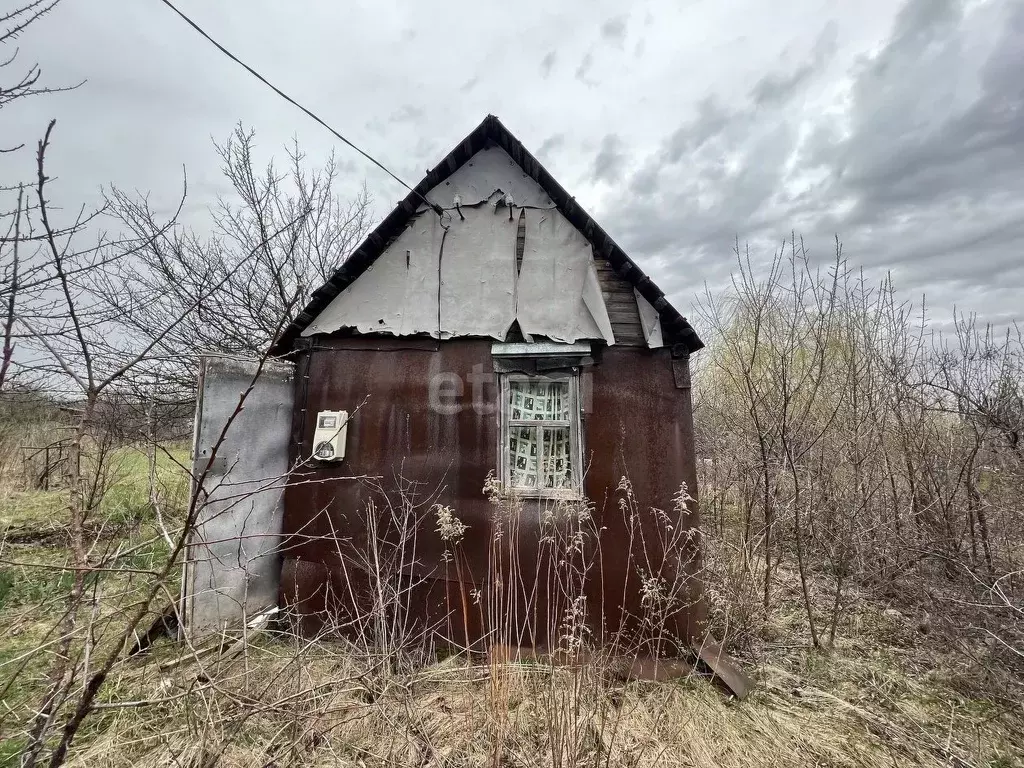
(638, 424)
(641, 428)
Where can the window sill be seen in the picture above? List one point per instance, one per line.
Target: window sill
(551, 494)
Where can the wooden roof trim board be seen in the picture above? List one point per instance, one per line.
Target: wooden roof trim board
(678, 332)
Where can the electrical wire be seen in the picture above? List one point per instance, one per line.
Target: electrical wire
(433, 206)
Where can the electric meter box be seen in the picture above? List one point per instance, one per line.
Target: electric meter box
(330, 435)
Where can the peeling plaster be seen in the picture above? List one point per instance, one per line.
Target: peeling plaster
(650, 322)
(555, 265)
(593, 300)
(490, 169)
(393, 295)
(463, 282)
(478, 274)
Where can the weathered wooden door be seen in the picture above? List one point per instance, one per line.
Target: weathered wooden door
(240, 465)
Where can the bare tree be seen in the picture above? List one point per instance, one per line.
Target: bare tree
(9, 279)
(92, 344)
(17, 82)
(22, 82)
(261, 279)
(871, 450)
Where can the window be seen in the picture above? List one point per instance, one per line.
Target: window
(540, 432)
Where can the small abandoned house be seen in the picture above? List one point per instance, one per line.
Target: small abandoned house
(490, 396)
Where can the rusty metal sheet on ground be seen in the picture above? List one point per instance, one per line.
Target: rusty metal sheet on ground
(726, 670)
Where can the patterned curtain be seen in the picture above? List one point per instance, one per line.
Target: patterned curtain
(540, 451)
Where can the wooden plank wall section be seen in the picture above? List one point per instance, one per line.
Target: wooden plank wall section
(621, 303)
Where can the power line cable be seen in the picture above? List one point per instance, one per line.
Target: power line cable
(433, 206)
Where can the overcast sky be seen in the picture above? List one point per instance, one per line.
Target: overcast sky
(680, 125)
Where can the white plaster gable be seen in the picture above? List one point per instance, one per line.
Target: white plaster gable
(489, 170)
(458, 277)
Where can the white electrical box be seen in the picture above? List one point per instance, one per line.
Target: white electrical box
(329, 436)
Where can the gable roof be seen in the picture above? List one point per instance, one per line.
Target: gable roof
(676, 329)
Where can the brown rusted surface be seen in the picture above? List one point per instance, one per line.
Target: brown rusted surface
(637, 425)
(725, 671)
(641, 428)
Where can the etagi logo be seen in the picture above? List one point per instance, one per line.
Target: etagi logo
(451, 392)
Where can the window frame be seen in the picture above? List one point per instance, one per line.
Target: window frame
(574, 423)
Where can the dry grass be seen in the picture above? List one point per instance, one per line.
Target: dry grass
(287, 704)
(886, 695)
(34, 574)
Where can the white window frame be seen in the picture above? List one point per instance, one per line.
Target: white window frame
(574, 423)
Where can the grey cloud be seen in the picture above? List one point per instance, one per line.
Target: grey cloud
(917, 24)
(940, 186)
(930, 146)
(547, 63)
(712, 118)
(614, 30)
(407, 113)
(779, 86)
(550, 144)
(645, 181)
(920, 175)
(688, 141)
(469, 85)
(705, 201)
(610, 160)
(584, 67)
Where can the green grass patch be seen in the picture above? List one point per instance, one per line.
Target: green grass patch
(10, 752)
(21, 509)
(20, 586)
(125, 500)
(34, 584)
